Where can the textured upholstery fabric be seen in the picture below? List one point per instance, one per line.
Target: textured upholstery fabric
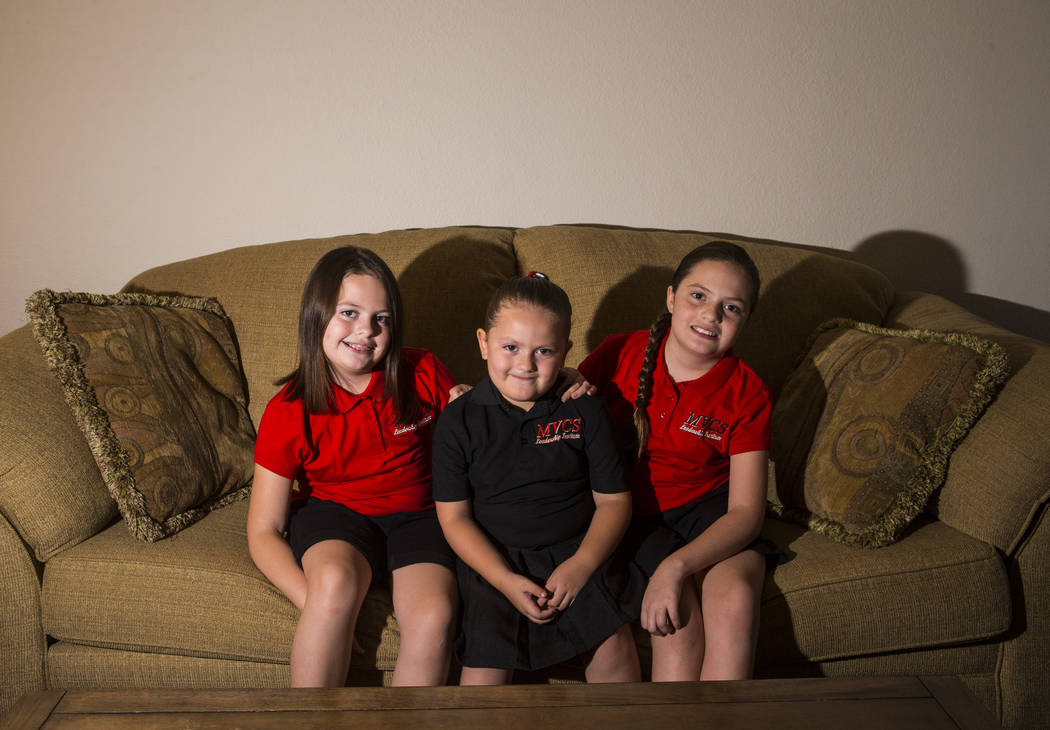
(55, 497)
(1012, 436)
(864, 426)
(198, 594)
(937, 588)
(155, 384)
(617, 280)
(441, 272)
(21, 637)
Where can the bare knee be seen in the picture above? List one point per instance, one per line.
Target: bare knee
(731, 592)
(430, 619)
(336, 587)
(615, 659)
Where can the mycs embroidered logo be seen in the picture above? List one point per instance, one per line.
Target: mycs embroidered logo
(565, 428)
(398, 430)
(704, 426)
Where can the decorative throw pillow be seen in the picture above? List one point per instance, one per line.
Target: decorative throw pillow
(864, 426)
(155, 384)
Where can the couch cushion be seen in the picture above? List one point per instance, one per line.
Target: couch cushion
(446, 275)
(196, 594)
(864, 426)
(155, 384)
(617, 280)
(937, 587)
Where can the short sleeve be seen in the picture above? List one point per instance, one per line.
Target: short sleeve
(433, 381)
(280, 442)
(450, 473)
(751, 432)
(599, 366)
(603, 459)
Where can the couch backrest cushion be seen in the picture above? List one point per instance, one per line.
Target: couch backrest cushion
(617, 280)
(446, 276)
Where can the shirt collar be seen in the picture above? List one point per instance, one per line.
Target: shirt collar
(486, 394)
(710, 381)
(345, 401)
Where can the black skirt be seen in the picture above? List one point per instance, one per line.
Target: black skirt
(494, 634)
(651, 538)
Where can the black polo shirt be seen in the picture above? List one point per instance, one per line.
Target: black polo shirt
(528, 474)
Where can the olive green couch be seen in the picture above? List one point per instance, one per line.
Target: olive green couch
(966, 591)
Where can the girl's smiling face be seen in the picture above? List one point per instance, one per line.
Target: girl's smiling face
(708, 311)
(525, 350)
(357, 338)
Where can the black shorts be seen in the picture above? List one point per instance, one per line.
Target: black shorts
(651, 538)
(388, 542)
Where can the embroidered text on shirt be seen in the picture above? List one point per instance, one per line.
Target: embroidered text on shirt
(564, 428)
(398, 430)
(704, 426)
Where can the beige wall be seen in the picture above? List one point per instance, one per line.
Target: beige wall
(136, 132)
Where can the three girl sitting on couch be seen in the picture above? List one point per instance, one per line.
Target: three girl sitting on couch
(533, 515)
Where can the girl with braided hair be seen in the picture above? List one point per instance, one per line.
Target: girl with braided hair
(701, 417)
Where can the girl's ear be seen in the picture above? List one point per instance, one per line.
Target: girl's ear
(483, 343)
(670, 299)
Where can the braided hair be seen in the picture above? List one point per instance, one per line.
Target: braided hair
(713, 251)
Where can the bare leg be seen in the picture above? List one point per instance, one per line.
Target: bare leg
(677, 657)
(483, 675)
(730, 594)
(425, 600)
(615, 659)
(337, 579)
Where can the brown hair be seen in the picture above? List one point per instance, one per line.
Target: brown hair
(713, 251)
(312, 378)
(532, 290)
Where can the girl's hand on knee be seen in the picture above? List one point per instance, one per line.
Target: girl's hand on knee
(661, 615)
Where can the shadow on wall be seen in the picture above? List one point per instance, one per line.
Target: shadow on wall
(923, 262)
(456, 275)
(631, 304)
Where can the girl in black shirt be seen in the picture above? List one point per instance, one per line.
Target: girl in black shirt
(531, 496)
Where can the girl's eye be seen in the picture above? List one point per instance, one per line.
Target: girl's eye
(698, 296)
(545, 351)
(383, 320)
(510, 348)
(734, 309)
(349, 313)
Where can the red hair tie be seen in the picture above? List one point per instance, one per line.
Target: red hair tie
(536, 275)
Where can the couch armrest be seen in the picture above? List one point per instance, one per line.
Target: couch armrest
(22, 644)
(51, 491)
(998, 490)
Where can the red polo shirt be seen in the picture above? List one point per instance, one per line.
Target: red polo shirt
(358, 455)
(695, 425)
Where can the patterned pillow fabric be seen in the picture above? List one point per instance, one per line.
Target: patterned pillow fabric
(155, 384)
(864, 426)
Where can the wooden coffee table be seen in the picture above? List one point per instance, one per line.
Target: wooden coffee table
(781, 704)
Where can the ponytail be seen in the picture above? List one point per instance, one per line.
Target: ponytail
(645, 379)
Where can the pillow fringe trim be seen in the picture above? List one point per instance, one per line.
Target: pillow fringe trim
(62, 357)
